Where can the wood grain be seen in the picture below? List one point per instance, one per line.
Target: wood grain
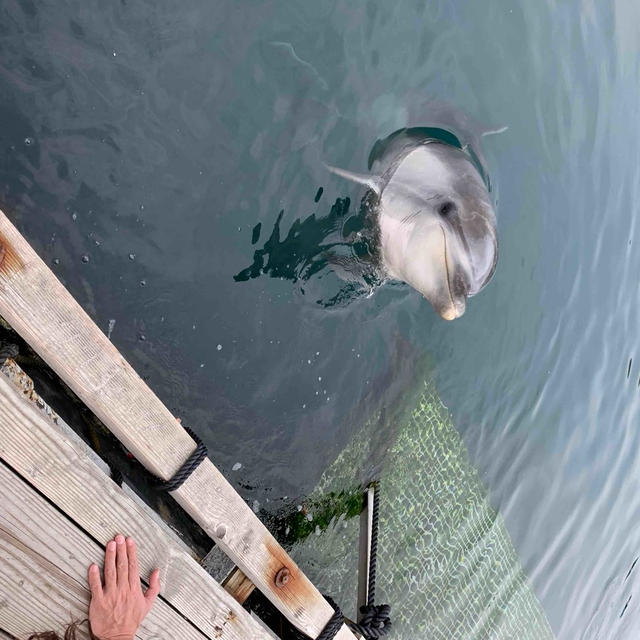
(43, 312)
(35, 595)
(238, 585)
(44, 559)
(64, 471)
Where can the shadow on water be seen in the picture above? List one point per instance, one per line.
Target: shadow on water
(340, 240)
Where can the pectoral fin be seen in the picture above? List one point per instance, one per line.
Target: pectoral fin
(367, 180)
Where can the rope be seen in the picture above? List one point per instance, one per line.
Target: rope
(185, 471)
(375, 620)
(373, 557)
(335, 622)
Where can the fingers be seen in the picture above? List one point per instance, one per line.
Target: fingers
(154, 588)
(122, 561)
(110, 579)
(95, 584)
(121, 570)
(134, 570)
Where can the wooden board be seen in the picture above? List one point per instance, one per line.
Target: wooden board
(238, 585)
(43, 568)
(25, 387)
(36, 596)
(43, 312)
(64, 471)
(5, 636)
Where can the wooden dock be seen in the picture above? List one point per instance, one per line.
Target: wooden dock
(59, 507)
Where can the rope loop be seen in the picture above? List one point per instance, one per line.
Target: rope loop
(375, 621)
(334, 625)
(191, 464)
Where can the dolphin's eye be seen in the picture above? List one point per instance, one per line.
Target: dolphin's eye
(446, 208)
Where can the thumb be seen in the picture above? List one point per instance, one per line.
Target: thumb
(154, 588)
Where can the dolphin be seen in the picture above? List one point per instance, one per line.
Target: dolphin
(434, 221)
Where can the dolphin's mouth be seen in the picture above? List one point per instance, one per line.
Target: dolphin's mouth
(457, 302)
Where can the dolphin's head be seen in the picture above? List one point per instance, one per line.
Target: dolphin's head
(438, 227)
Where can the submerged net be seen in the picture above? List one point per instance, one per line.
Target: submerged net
(446, 563)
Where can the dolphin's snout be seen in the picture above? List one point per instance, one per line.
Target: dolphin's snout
(458, 289)
(454, 310)
(436, 223)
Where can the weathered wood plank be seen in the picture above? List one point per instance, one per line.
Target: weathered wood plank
(39, 595)
(35, 595)
(25, 387)
(238, 585)
(43, 312)
(5, 636)
(272, 635)
(42, 452)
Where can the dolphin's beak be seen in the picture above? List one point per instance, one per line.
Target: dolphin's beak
(456, 286)
(454, 310)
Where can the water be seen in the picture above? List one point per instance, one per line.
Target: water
(151, 140)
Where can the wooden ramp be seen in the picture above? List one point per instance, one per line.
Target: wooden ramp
(42, 464)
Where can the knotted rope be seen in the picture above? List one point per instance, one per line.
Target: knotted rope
(375, 620)
(335, 622)
(185, 471)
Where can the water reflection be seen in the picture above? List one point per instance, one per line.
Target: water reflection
(340, 240)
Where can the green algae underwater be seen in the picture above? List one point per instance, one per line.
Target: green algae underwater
(446, 562)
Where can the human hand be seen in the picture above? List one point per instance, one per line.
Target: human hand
(118, 607)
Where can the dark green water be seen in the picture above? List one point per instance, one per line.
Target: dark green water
(141, 144)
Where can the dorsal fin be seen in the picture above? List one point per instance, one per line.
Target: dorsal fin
(365, 179)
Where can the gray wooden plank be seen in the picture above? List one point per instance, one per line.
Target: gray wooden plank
(63, 471)
(43, 312)
(34, 594)
(25, 386)
(37, 538)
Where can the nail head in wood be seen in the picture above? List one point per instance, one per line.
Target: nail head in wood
(282, 577)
